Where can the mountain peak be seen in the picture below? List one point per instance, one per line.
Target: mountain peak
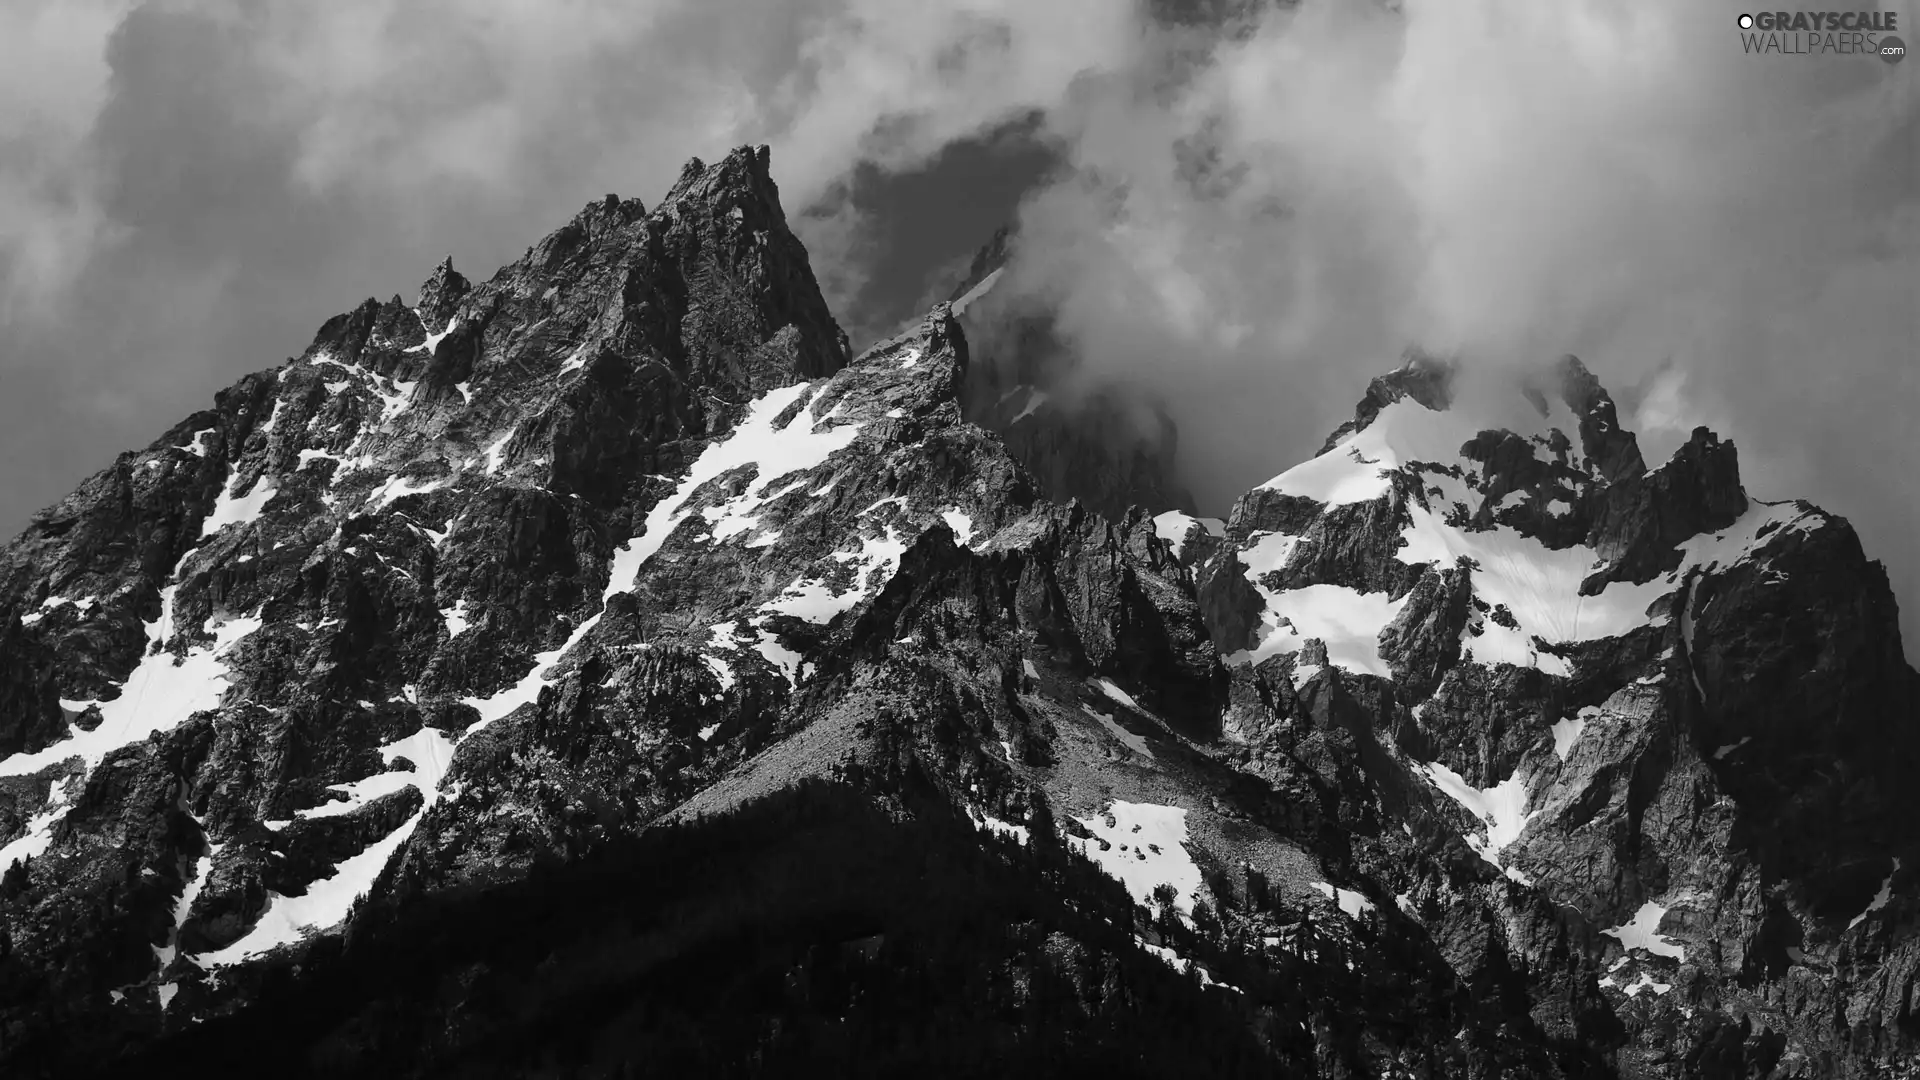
(1612, 448)
(1421, 376)
(441, 293)
(743, 178)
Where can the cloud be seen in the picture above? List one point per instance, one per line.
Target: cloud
(53, 80)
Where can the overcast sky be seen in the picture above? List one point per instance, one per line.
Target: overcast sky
(1249, 213)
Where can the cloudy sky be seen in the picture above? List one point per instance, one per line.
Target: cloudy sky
(1245, 208)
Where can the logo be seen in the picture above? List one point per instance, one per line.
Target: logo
(1815, 33)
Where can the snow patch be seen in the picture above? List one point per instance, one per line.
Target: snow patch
(1174, 527)
(1145, 848)
(1644, 981)
(1502, 808)
(497, 450)
(1126, 738)
(528, 688)
(33, 843)
(327, 902)
(85, 604)
(767, 644)
(721, 637)
(183, 907)
(1353, 904)
(1115, 693)
(988, 823)
(159, 695)
(1346, 620)
(1182, 965)
(230, 509)
(1356, 469)
(433, 340)
(198, 447)
(814, 601)
(961, 524)
(1566, 733)
(290, 919)
(1642, 932)
(456, 618)
(358, 794)
(400, 487)
(775, 453)
(395, 401)
(1880, 899)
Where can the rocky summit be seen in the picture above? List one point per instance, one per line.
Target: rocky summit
(597, 671)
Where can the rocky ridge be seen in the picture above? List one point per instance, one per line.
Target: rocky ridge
(611, 601)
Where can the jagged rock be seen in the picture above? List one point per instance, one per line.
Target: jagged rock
(30, 714)
(1610, 449)
(1641, 521)
(1422, 643)
(440, 294)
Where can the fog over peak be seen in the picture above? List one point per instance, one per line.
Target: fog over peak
(1247, 210)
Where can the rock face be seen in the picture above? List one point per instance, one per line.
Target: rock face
(595, 671)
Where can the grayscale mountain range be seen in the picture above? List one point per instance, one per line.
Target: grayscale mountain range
(598, 671)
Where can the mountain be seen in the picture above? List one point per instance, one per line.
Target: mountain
(596, 671)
